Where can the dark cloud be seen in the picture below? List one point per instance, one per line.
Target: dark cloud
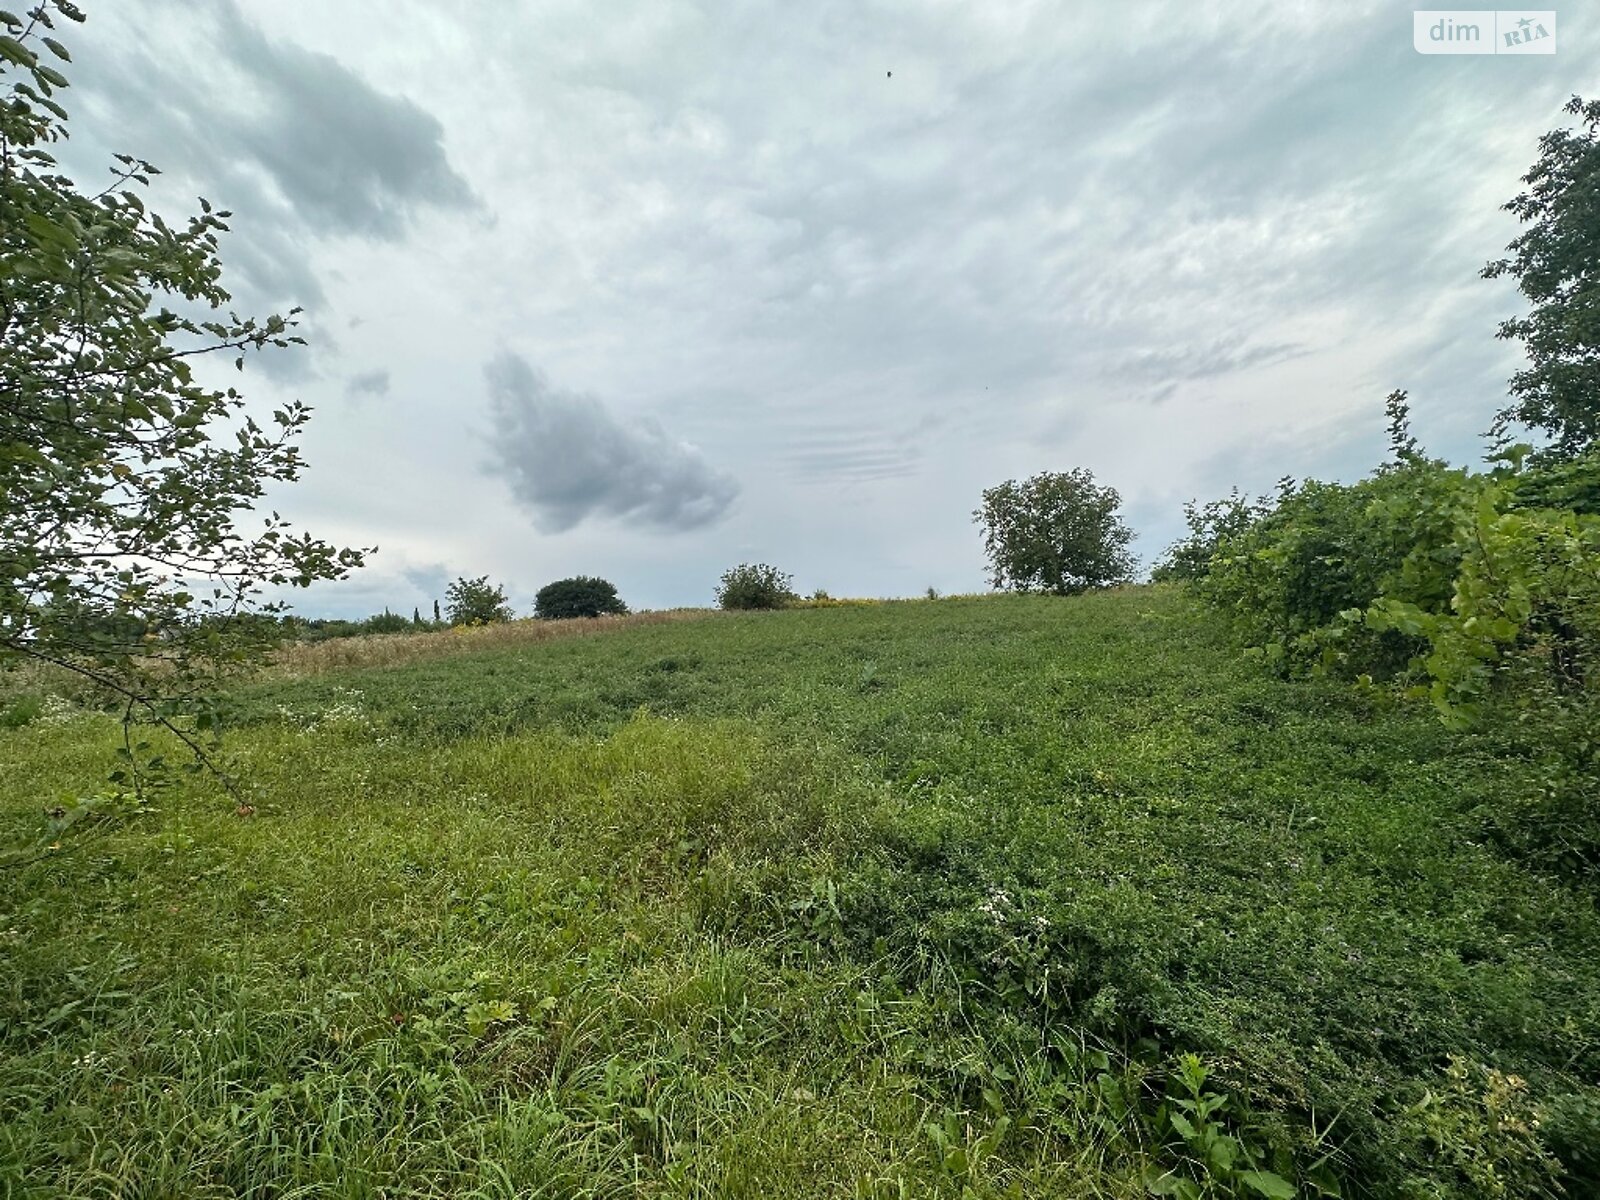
(567, 458)
(368, 383)
(346, 157)
(295, 144)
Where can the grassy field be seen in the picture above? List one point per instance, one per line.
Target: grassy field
(990, 897)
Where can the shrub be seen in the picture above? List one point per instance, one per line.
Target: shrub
(476, 602)
(581, 596)
(755, 585)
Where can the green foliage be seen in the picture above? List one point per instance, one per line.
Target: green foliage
(123, 481)
(1189, 558)
(1286, 578)
(1555, 264)
(1478, 1129)
(581, 596)
(17, 712)
(476, 602)
(1055, 532)
(755, 586)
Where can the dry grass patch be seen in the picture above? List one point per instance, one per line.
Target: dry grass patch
(398, 649)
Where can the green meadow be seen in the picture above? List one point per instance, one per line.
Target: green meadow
(989, 897)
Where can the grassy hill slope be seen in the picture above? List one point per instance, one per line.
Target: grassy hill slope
(1011, 896)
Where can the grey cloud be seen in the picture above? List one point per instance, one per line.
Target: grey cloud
(291, 365)
(431, 580)
(368, 383)
(567, 459)
(291, 141)
(347, 158)
(1169, 367)
(850, 453)
(1220, 357)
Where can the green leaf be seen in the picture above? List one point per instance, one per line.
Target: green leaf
(16, 52)
(1268, 1183)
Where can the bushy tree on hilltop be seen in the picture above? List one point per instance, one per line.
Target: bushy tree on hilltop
(125, 483)
(1056, 532)
(476, 602)
(580, 596)
(755, 586)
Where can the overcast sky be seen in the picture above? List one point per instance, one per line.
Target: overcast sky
(645, 290)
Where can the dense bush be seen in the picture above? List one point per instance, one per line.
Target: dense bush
(755, 585)
(581, 596)
(1474, 589)
(1289, 569)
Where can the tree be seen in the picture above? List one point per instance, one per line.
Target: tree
(1556, 262)
(1055, 532)
(476, 602)
(581, 596)
(126, 485)
(755, 585)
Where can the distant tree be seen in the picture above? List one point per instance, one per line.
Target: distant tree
(416, 617)
(386, 622)
(125, 483)
(476, 602)
(1056, 532)
(1556, 262)
(581, 596)
(755, 585)
(437, 619)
